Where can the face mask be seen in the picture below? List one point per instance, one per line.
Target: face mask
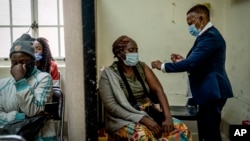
(131, 59)
(38, 56)
(193, 30)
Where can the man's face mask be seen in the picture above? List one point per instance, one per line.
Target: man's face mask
(193, 30)
(131, 59)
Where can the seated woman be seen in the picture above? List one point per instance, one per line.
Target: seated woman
(125, 88)
(44, 60)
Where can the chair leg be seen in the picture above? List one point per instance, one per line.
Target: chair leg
(61, 131)
(57, 130)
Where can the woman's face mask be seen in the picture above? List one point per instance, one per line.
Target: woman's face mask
(131, 59)
(38, 56)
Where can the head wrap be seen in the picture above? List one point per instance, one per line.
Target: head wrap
(23, 44)
(120, 43)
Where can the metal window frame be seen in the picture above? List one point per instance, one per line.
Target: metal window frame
(34, 32)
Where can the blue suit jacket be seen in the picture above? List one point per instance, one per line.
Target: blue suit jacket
(205, 64)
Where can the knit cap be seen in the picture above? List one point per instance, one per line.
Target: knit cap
(23, 44)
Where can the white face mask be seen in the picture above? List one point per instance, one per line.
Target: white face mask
(131, 59)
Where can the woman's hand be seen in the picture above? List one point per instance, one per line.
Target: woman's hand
(167, 125)
(152, 126)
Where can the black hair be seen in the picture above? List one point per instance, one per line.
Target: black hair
(200, 8)
(45, 62)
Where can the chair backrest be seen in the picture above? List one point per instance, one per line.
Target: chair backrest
(58, 97)
(56, 110)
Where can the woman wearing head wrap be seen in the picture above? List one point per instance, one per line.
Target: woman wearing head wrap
(126, 89)
(44, 60)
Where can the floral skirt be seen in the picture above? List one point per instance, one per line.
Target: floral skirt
(139, 132)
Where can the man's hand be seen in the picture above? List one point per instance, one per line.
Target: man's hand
(176, 57)
(152, 126)
(156, 64)
(18, 71)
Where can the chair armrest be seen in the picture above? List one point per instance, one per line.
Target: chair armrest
(11, 138)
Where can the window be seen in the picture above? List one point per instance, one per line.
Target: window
(39, 18)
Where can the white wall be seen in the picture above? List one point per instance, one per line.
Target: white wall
(237, 35)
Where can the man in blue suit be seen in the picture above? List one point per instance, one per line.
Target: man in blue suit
(205, 65)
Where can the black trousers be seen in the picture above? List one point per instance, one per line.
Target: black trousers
(209, 119)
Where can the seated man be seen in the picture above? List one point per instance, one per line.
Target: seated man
(26, 92)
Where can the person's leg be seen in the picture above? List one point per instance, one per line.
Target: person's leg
(135, 132)
(209, 118)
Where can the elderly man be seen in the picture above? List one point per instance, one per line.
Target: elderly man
(26, 92)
